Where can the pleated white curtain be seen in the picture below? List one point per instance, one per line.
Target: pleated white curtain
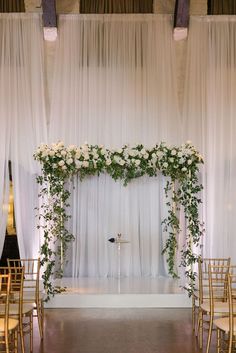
(209, 109)
(23, 120)
(115, 83)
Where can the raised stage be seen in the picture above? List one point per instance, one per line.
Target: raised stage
(144, 292)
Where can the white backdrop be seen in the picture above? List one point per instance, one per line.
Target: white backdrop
(23, 120)
(115, 83)
(210, 108)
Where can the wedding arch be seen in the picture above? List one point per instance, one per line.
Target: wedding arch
(179, 164)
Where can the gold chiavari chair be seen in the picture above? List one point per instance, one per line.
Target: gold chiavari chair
(217, 304)
(31, 290)
(226, 326)
(23, 312)
(201, 293)
(8, 326)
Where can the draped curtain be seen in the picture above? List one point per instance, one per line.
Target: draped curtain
(210, 105)
(115, 83)
(23, 121)
(116, 6)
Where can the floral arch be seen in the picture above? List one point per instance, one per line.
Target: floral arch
(179, 164)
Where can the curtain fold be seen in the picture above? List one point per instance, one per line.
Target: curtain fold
(210, 105)
(22, 106)
(114, 83)
(116, 6)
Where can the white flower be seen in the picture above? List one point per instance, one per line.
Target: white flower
(181, 161)
(61, 163)
(184, 169)
(60, 144)
(180, 154)
(165, 164)
(51, 153)
(78, 164)
(63, 153)
(121, 162)
(108, 161)
(188, 142)
(118, 150)
(44, 154)
(64, 167)
(95, 155)
(71, 147)
(86, 156)
(173, 152)
(103, 151)
(145, 156)
(143, 151)
(160, 154)
(85, 164)
(137, 162)
(69, 161)
(171, 160)
(189, 161)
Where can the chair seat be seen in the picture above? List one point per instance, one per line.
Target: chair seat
(223, 324)
(219, 307)
(12, 324)
(14, 309)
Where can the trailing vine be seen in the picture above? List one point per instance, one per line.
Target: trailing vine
(59, 163)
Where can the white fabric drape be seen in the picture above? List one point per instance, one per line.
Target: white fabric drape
(115, 83)
(210, 106)
(22, 107)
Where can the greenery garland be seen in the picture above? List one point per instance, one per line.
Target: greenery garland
(59, 163)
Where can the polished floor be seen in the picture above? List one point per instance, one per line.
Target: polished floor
(117, 331)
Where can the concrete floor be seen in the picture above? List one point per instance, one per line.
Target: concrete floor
(117, 331)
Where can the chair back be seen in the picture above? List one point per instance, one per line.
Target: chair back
(203, 274)
(218, 283)
(5, 286)
(31, 272)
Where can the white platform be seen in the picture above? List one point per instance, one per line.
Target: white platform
(120, 293)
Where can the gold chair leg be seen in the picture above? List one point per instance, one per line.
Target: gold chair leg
(209, 334)
(218, 340)
(31, 333)
(200, 331)
(22, 342)
(193, 313)
(16, 341)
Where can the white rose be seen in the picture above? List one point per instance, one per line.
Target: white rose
(60, 144)
(154, 155)
(108, 161)
(181, 161)
(145, 156)
(51, 153)
(95, 156)
(180, 154)
(103, 151)
(78, 164)
(85, 164)
(86, 156)
(143, 151)
(63, 152)
(118, 150)
(45, 153)
(71, 147)
(121, 162)
(184, 169)
(137, 162)
(69, 161)
(64, 167)
(165, 165)
(189, 161)
(61, 163)
(173, 152)
(171, 160)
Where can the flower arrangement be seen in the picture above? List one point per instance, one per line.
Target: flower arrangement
(179, 164)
